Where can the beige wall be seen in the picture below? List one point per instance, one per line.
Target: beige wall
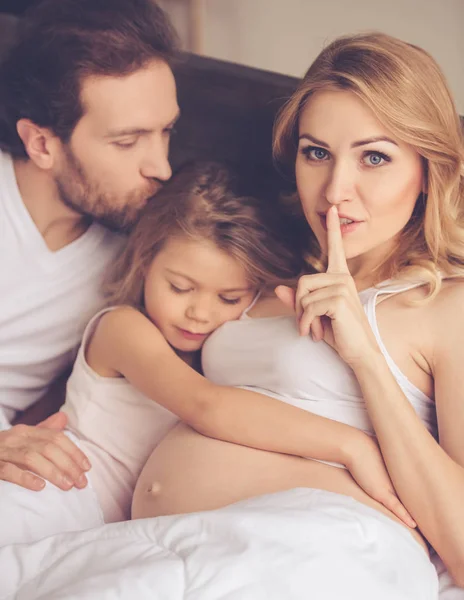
(286, 35)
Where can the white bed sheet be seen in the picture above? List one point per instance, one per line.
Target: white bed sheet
(254, 550)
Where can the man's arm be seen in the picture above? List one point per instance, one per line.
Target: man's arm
(30, 454)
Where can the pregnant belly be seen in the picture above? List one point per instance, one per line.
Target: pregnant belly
(188, 472)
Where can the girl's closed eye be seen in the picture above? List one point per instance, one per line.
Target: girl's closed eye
(230, 300)
(178, 290)
(315, 153)
(374, 158)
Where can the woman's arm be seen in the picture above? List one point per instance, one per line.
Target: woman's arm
(428, 477)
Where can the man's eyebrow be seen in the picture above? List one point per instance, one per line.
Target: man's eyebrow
(371, 140)
(128, 131)
(138, 130)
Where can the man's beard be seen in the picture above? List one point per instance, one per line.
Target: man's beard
(86, 198)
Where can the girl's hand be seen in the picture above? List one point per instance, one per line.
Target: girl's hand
(367, 467)
(328, 306)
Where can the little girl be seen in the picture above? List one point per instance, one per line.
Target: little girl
(198, 257)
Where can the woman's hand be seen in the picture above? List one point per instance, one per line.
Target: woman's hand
(367, 467)
(28, 455)
(328, 306)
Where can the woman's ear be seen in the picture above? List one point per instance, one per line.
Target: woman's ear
(38, 142)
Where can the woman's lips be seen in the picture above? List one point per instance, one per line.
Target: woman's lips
(345, 228)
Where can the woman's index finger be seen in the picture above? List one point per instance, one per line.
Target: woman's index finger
(335, 250)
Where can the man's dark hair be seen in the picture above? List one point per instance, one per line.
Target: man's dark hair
(62, 41)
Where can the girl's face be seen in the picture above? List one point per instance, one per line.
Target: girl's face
(191, 289)
(346, 157)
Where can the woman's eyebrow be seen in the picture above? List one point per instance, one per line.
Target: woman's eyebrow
(371, 140)
(307, 136)
(379, 138)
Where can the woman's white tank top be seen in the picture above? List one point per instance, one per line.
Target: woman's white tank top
(268, 355)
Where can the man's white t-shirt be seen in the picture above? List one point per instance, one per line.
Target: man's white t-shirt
(46, 298)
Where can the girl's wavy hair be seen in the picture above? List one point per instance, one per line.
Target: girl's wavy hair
(209, 201)
(406, 90)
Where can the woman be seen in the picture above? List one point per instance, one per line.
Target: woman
(377, 148)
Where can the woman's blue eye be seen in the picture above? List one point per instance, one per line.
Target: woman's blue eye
(319, 153)
(374, 159)
(315, 153)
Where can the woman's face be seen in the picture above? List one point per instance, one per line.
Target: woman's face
(346, 157)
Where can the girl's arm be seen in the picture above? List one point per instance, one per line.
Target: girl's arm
(428, 477)
(127, 343)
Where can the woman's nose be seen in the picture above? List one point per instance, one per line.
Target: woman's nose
(340, 184)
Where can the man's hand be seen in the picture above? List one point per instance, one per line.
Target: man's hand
(28, 455)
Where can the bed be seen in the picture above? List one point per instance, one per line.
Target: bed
(227, 114)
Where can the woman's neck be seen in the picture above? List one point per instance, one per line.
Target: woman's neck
(372, 267)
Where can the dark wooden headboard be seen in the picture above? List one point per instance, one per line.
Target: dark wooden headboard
(228, 112)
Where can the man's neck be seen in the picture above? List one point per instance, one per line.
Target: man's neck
(57, 224)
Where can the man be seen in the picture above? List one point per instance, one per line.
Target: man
(87, 106)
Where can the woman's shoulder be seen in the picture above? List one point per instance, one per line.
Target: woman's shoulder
(451, 295)
(451, 291)
(445, 313)
(430, 313)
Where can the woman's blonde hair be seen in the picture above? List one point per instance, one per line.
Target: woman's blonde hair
(406, 90)
(209, 201)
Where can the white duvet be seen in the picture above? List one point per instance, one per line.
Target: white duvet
(295, 545)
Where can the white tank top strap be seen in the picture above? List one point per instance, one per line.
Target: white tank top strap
(90, 327)
(250, 306)
(370, 298)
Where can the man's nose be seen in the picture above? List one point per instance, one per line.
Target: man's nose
(156, 163)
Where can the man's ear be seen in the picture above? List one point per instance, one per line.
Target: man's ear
(38, 141)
